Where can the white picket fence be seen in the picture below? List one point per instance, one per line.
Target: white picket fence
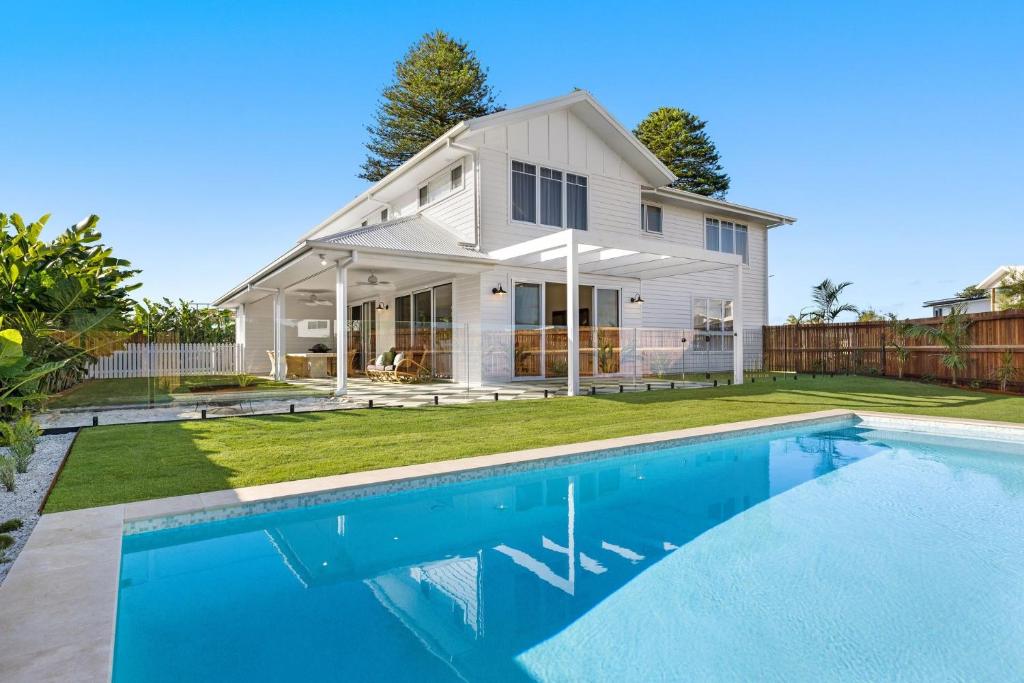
(168, 360)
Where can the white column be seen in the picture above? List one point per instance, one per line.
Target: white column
(737, 326)
(280, 365)
(341, 325)
(240, 324)
(572, 304)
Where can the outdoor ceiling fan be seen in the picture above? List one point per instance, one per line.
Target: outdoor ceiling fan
(371, 281)
(313, 298)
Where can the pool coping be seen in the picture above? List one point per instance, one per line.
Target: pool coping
(58, 605)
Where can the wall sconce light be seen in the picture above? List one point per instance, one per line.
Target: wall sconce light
(381, 306)
(323, 259)
(636, 299)
(499, 290)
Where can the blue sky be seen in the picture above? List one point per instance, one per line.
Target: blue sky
(210, 135)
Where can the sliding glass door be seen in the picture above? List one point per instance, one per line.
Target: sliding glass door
(443, 333)
(528, 331)
(609, 341)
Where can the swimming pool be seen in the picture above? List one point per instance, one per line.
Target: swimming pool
(828, 552)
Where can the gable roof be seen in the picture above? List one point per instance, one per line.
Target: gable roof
(590, 111)
(582, 104)
(413, 233)
(997, 276)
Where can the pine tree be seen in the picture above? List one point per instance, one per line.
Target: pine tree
(438, 83)
(677, 137)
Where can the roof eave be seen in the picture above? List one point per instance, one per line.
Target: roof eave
(772, 219)
(454, 131)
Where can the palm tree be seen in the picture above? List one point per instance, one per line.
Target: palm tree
(900, 332)
(826, 301)
(952, 335)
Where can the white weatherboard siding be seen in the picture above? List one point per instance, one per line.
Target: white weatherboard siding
(572, 134)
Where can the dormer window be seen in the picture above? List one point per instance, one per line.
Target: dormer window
(424, 195)
(456, 178)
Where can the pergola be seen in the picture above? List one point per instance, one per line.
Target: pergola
(581, 252)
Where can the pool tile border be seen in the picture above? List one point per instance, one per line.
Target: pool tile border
(58, 605)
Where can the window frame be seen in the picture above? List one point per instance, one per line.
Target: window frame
(384, 215)
(644, 206)
(452, 186)
(564, 172)
(423, 198)
(712, 345)
(736, 229)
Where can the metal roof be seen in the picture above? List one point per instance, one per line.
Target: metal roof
(412, 233)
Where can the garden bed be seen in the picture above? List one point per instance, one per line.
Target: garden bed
(30, 490)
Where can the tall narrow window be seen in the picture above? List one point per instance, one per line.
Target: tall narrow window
(576, 201)
(456, 177)
(650, 218)
(524, 192)
(403, 323)
(383, 215)
(424, 195)
(728, 246)
(711, 240)
(550, 197)
(742, 247)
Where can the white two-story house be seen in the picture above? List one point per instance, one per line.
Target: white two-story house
(542, 241)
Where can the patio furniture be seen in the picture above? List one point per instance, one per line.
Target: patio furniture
(407, 370)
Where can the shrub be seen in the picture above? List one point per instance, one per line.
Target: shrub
(1006, 372)
(7, 472)
(10, 525)
(6, 541)
(245, 380)
(21, 436)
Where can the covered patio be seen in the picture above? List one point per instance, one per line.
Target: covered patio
(579, 252)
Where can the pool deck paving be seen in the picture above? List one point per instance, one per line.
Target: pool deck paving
(58, 605)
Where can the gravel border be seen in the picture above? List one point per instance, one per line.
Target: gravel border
(23, 503)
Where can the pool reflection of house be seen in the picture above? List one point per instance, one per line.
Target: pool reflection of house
(516, 563)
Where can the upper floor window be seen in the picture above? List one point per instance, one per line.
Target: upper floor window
(727, 237)
(524, 192)
(650, 218)
(364, 224)
(456, 178)
(548, 197)
(551, 197)
(576, 201)
(424, 195)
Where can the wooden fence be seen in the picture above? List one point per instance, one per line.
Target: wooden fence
(167, 360)
(865, 348)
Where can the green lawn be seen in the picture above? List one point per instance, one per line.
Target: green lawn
(135, 462)
(130, 391)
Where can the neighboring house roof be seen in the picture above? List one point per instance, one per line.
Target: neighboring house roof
(954, 300)
(997, 276)
(412, 233)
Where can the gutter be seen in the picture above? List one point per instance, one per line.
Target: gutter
(682, 195)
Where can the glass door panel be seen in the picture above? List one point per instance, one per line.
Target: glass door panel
(356, 358)
(609, 344)
(528, 341)
(403, 323)
(443, 334)
(421, 327)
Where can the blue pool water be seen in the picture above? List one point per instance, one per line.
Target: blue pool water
(824, 553)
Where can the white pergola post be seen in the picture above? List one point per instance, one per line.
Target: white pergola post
(280, 365)
(240, 325)
(572, 304)
(341, 325)
(737, 326)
